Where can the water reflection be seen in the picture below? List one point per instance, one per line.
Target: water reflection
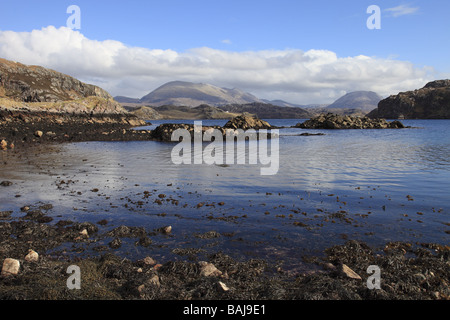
(359, 172)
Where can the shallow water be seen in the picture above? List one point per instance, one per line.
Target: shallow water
(371, 185)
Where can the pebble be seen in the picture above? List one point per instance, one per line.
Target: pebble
(149, 261)
(38, 133)
(208, 269)
(32, 256)
(350, 273)
(3, 144)
(223, 287)
(84, 233)
(10, 267)
(167, 229)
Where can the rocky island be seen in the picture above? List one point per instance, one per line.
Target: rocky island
(429, 102)
(333, 121)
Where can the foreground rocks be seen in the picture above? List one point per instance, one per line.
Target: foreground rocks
(33, 270)
(333, 121)
(429, 102)
(19, 128)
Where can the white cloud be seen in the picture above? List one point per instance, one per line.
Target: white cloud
(314, 76)
(402, 10)
(226, 41)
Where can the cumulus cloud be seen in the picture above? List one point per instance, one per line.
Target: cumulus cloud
(314, 76)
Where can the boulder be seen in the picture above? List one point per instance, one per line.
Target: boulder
(246, 122)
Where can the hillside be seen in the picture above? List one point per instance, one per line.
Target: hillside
(268, 111)
(181, 93)
(366, 101)
(181, 112)
(36, 88)
(429, 102)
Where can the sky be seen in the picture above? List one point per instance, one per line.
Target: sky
(300, 51)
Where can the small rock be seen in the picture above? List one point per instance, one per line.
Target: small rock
(32, 256)
(208, 269)
(38, 133)
(115, 244)
(167, 229)
(84, 233)
(6, 183)
(154, 281)
(10, 267)
(3, 145)
(329, 266)
(149, 261)
(350, 273)
(223, 287)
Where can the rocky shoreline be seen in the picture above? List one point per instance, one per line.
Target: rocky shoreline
(20, 128)
(32, 271)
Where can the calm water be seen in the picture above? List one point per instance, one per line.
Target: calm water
(372, 185)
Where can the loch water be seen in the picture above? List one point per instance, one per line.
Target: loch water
(374, 186)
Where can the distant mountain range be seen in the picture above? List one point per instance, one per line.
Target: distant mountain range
(188, 94)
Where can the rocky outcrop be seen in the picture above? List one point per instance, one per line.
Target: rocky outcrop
(37, 84)
(246, 122)
(332, 121)
(37, 89)
(430, 102)
(164, 131)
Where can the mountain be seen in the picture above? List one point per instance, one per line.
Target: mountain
(365, 101)
(181, 93)
(429, 102)
(181, 112)
(268, 111)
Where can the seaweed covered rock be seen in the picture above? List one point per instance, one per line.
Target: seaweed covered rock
(247, 122)
(333, 121)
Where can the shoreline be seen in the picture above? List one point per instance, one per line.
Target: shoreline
(408, 271)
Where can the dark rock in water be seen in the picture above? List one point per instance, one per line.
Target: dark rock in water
(246, 122)
(430, 102)
(6, 183)
(164, 131)
(307, 134)
(333, 121)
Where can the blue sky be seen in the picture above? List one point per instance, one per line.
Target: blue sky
(414, 32)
